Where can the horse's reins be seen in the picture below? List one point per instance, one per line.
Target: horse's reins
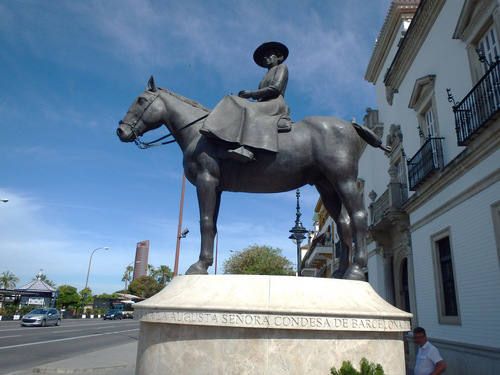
(145, 145)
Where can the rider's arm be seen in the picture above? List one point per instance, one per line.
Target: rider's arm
(271, 87)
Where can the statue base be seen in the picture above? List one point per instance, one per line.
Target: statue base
(246, 324)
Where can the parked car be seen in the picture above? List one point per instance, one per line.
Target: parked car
(41, 316)
(113, 314)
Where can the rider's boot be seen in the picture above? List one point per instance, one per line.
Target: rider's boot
(241, 154)
(284, 124)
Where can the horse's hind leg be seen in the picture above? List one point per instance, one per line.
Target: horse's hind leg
(353, 203)
(345, 235)
(333, 205)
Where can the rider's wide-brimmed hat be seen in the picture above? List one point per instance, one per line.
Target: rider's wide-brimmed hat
(258, 55)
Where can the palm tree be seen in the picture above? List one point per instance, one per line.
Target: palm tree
(152, 271)
(165, 274)
(128, 272)
(44, 278)
(126, 277)
(8, 280)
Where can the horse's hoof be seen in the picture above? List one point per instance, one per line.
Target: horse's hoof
(354, 272)
(197, 269)
(338, 274)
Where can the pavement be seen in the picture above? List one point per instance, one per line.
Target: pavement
(118, 360)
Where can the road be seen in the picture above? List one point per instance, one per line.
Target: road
(26, 347)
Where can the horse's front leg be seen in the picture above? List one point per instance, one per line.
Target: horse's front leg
(209, 202)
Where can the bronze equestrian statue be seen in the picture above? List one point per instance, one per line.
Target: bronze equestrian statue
(319, 151)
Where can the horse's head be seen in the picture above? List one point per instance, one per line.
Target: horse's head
(146, 113)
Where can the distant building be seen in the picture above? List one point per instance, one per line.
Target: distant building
(434, 202)
(34, 293)
(322, 255)
(141, 259)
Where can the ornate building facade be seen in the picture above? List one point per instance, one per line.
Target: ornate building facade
(434, 214)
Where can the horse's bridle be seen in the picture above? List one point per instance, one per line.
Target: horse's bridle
(133, 125)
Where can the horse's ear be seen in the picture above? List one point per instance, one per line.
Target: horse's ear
(151, 85)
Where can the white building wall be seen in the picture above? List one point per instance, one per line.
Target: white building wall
(477, 271)
(444, 57)
(373, 168)
(454, 190)
(376, 270)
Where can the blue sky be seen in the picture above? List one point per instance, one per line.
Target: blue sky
(71, 69)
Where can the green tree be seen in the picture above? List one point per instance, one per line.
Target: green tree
(152, 271)
(144, 287)
(86, 292)
(165, 274)
(68, 297)
(8, 280)
(114, 295)
(258, 260)
(44, 278)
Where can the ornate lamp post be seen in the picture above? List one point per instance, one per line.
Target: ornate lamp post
(298, 234)
(90, 262)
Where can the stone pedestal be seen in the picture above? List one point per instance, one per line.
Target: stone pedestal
(245, 324)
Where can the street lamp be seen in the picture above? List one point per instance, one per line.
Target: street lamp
(4, 200)
(90, 262)
(298, 233)
(184, 232)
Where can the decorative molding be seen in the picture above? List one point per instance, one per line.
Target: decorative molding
(423, 88)
(399, 11)
(395, 136)
(473, 14)
(417, 33)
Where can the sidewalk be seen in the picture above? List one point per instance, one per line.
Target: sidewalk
(119, 360)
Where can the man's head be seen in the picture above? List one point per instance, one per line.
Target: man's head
(420, 336)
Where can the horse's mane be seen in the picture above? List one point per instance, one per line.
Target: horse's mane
(186, 100)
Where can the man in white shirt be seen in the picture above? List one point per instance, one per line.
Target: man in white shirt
(429, 361)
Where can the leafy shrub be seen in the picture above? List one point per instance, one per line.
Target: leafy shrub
(367, 368)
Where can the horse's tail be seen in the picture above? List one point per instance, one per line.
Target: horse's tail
(370, 137)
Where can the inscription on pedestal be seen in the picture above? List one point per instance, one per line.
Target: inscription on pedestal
(275, 321)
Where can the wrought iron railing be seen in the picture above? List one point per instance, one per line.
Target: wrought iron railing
(479, 106)
(427, 160)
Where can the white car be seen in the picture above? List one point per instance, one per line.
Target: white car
(41, 316)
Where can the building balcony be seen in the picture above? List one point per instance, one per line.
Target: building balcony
(425, 162)
(480, 107)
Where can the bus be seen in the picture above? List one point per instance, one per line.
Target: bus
(126, 307)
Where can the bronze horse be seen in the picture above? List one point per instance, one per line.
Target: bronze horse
(320, 151)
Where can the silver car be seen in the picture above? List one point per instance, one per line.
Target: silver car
(41, 317)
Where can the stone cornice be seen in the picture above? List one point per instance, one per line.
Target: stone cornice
(417, 33)
(473, 12)
(398, 11)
